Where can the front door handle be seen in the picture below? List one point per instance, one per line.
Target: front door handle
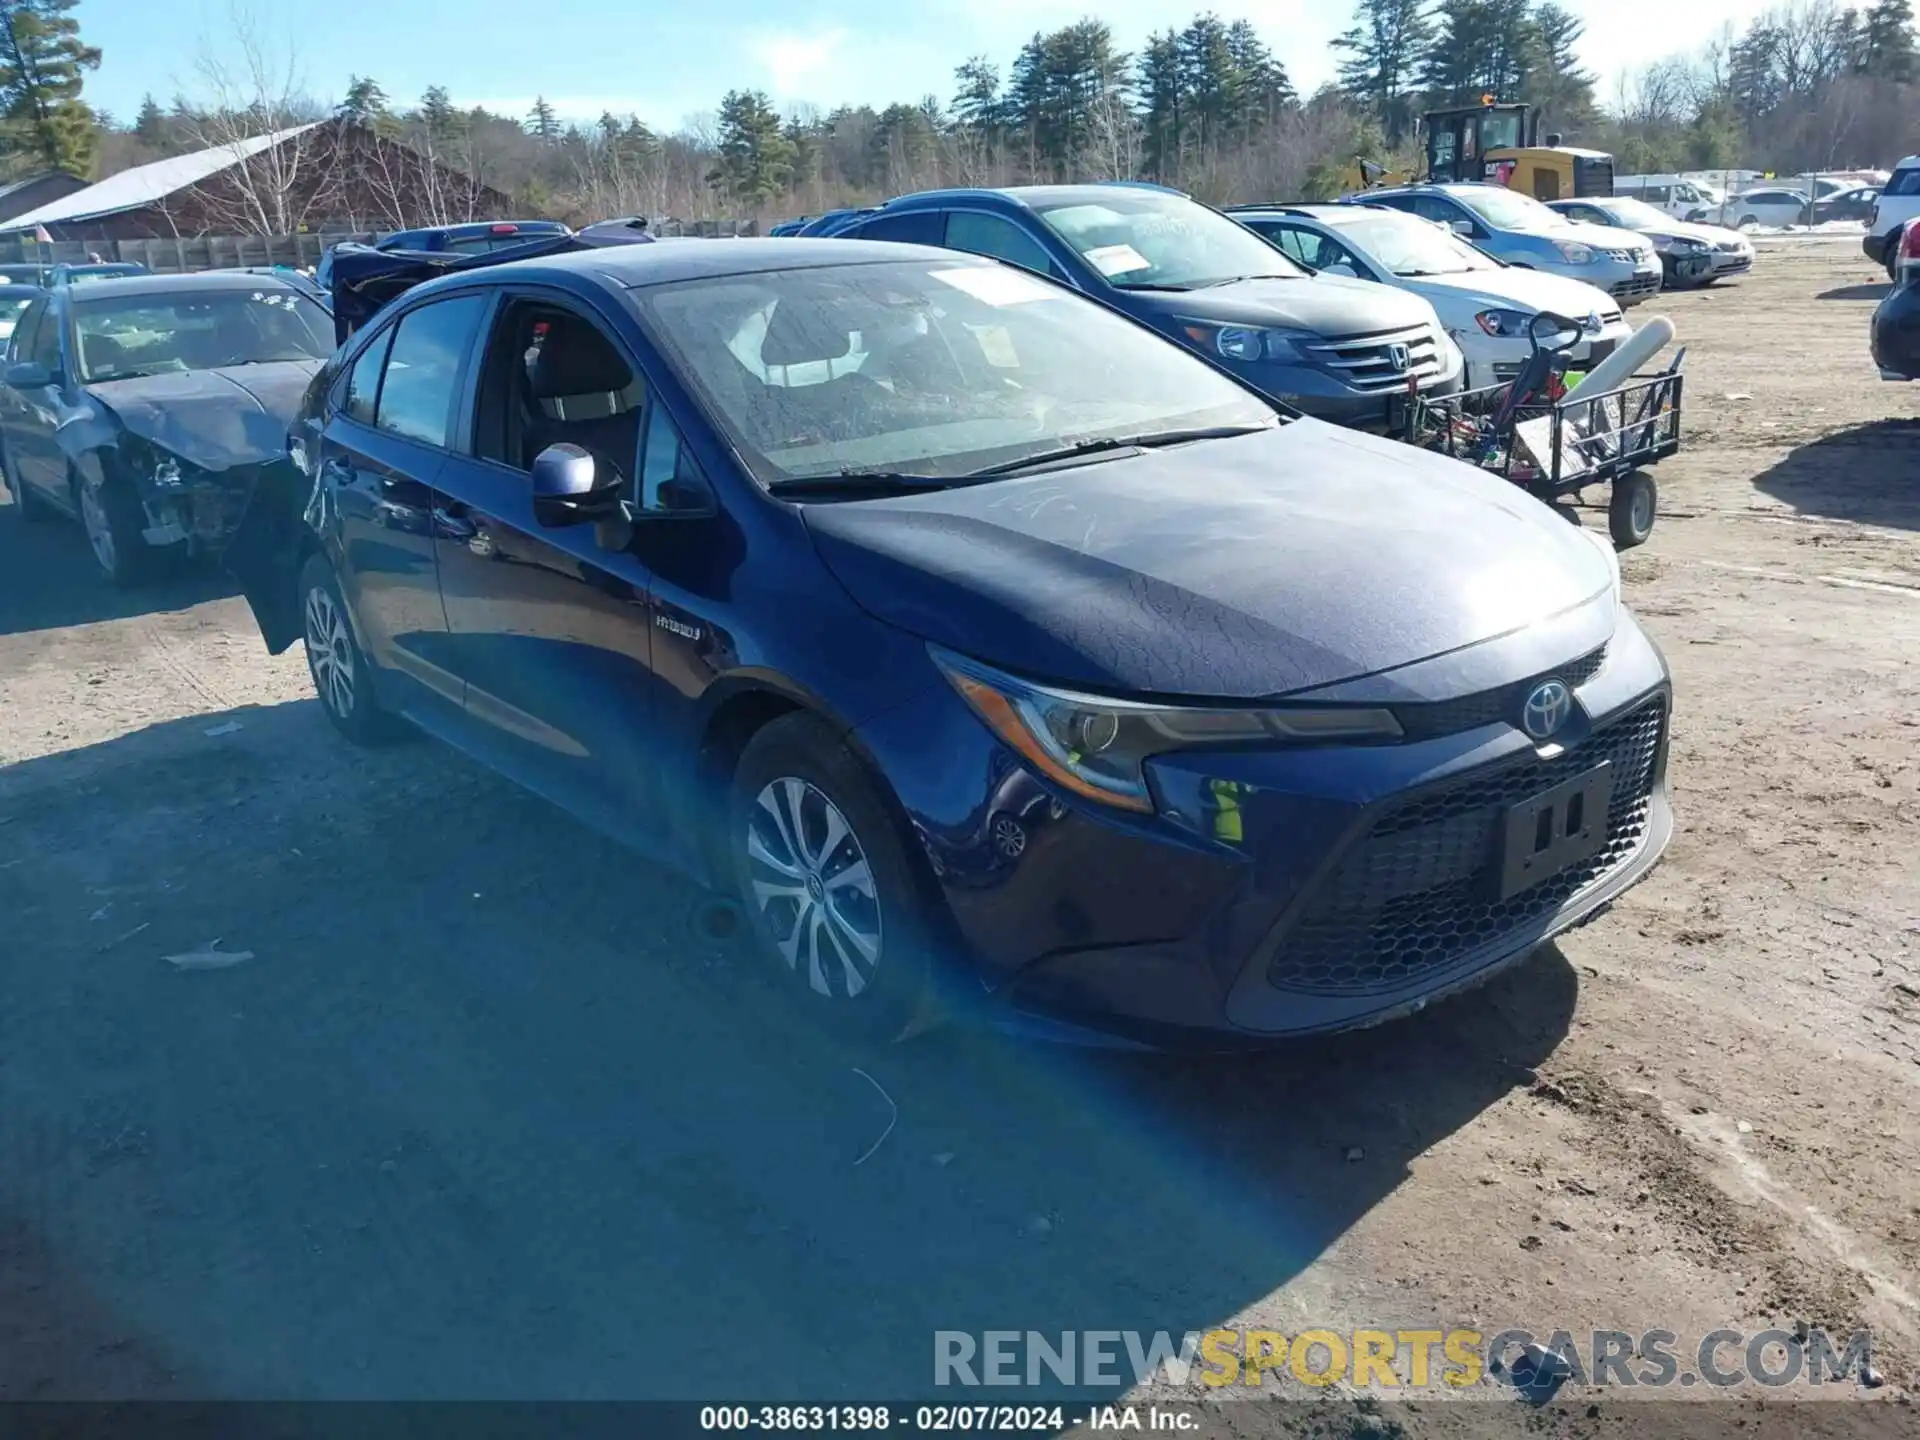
(454, 522)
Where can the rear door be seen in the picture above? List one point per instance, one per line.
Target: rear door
(381, 453)
(33, 412)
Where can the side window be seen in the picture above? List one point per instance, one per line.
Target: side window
(552, 377)
(21, 345)
(999, 238)
(1904, 182)
(418, 393)
(1292, 242)
(363, 381)
(670, 481)
(44, 346)
(910, 227)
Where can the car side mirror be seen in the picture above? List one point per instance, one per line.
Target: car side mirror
(28, 375)
(1462, 227)
(570, 487)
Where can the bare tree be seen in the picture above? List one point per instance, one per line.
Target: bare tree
(283, 165)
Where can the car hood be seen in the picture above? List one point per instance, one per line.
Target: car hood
(1257, 566)
(1515, 288)
(1600, 237)
(1326, 305)
(1694, 230)
(215, 419)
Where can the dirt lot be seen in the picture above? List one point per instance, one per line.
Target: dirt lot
(482, 1117)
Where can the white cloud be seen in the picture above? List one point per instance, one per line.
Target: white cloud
(793, 62)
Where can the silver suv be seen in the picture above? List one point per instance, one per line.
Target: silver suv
(1521, 231)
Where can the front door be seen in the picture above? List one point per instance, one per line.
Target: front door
(380, 457)
(549, 628)
(33, 413)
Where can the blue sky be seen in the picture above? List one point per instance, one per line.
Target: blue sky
(666, 62)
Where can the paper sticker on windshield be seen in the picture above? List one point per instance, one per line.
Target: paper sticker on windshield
(1117, 260)
(996, 284)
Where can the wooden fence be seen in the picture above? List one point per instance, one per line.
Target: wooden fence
(225, 252)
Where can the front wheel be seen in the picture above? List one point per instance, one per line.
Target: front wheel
(342, 677)
(1635, 504)
(828, 883)
(115, 526)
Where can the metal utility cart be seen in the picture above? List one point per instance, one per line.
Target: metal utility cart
(1557, 447)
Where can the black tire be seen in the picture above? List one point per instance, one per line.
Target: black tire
(342, 676)
(115, 526)
(797, 766)
(1633, 509)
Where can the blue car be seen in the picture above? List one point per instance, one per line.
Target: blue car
(995, 652)
(1344, 350)
(1519, 230)
(479, 237)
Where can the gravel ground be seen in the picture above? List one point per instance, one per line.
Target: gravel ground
(482, 1116)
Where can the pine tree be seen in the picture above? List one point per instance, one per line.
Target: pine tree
(1559, 88)
(542, 123)
(150, 123)
(42, 69)
(1260, 87)
(365, 102)
(756, 161)
(1385, 49)
(1888, 49)
(437, 114)
(978, 111)
(1206, 72)
(1163, 99)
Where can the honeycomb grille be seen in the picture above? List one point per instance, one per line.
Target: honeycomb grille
(1419, 893)
(1469, 712)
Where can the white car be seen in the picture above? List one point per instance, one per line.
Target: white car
(1896, 204)
(1774, 206)
(1484, 305)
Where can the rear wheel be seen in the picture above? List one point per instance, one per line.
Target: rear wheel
(829, 885)
(342, 677)
(1631, 513)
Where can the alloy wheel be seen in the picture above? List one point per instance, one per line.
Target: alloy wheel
(93, 515)
(329, 652)
(813, 886)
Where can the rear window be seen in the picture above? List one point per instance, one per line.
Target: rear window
(1904, 182)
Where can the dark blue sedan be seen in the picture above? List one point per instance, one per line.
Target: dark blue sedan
(989, 647)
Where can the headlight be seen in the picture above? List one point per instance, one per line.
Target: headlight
(1573, 252)
(1248, 343)
(1097, 746)
(1508, 324)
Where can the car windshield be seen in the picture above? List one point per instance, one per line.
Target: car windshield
(11, 307)
(931, 369)
(1409, 246)
(205, 330)
(1635, 214)
(1509, 210)
(1141, 240)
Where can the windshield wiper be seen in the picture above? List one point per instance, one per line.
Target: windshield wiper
(1108, 444)
(1147, 285)
(855, 483)
(1236, 279)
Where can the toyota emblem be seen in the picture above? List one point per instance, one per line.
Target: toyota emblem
(1548, 705)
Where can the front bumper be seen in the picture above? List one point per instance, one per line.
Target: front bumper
(1731, 262)
(200, 509)
(1281, 893)
(1315, 393)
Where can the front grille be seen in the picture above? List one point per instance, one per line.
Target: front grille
(1366, 362)
(1419, 892)
(1730, 245)
(1630, 257)
(1637, 287)
(1469, 712)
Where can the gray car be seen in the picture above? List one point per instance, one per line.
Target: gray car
(1521, 231)
(1692, 254)
(1343, 350)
